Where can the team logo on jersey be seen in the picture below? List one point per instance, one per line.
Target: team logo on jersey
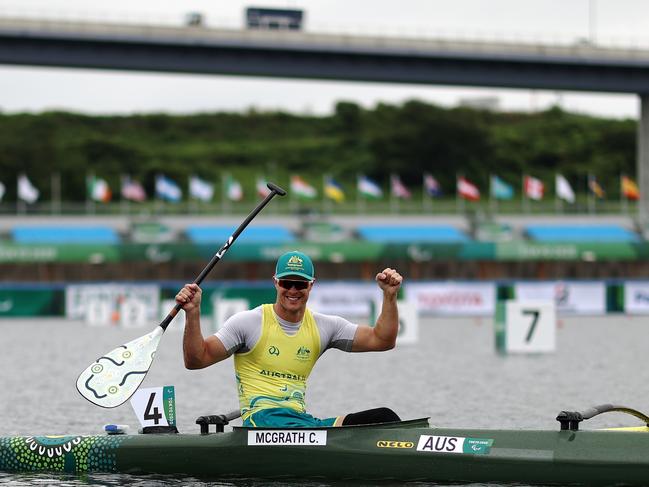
(273, 350)
(303, 353)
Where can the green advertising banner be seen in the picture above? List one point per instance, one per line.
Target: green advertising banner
(337, 252)
(32, 253)
(565, 251)
(349, 251)
(31, 302)
(165, 252)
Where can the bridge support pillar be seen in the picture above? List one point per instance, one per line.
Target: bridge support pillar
(643, 160)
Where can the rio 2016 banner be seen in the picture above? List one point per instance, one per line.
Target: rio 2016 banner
(453, 298)
(577, 298)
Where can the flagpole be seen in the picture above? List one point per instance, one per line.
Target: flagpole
(55, 206)
(326, 202)
(90, 204)
(191, 205)
(457, 193)
(590, 196)
(358, 194)
(425, 207)
(393, 200)
(122, 201)
(20, 203)
(225, 203)
(492, 200)
(158, 197)
(623, 199)
(558, 206)
(525, 197)
(293, 196)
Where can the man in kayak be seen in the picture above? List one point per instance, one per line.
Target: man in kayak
(275, 346)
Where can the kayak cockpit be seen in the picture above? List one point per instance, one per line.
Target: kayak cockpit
(221, 420)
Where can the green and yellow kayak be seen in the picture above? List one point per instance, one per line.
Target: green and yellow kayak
(402, 451)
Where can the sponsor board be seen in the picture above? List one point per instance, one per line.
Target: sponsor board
(636, 297)
(349, 300)
(141, 301)
(454, 444)
(576, 298)
(453, 298)
(224, 308)
(287, 438)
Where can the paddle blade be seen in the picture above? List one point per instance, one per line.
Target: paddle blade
(112, 379)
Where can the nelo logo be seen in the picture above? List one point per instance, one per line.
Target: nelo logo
(394, 444)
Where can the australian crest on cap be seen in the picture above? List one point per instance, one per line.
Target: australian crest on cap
(295, 262)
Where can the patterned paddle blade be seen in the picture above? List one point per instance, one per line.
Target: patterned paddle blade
(112, 379)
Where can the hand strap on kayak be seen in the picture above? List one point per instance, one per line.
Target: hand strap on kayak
(570, 419)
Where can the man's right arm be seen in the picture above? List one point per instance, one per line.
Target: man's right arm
(198, 352)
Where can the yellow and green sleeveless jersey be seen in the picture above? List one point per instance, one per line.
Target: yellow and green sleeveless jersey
(273, 373)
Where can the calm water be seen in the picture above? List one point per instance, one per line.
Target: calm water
(453, 375)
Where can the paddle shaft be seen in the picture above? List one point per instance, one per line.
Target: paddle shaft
(274, 190)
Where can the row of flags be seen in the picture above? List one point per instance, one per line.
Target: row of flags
(199, 189)
(535, 189)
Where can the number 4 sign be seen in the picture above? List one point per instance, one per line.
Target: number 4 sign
(155, 406)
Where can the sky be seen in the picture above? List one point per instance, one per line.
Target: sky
(605, 22)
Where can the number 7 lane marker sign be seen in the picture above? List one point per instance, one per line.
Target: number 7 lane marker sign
(530, 327)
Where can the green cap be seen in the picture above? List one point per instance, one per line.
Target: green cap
(294, 263)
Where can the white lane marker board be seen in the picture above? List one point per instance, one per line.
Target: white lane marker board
(526, 327)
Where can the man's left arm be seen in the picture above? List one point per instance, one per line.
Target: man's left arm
(384, 334)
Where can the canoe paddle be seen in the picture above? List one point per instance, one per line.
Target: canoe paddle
(113, 378)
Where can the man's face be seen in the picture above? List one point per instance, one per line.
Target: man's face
(292, 292)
